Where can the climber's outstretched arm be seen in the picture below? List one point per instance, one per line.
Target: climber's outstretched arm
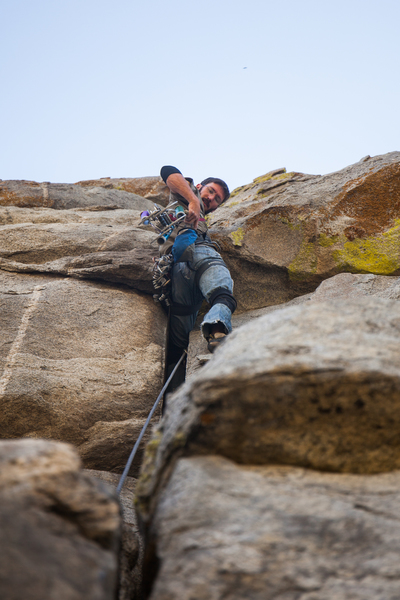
(178, 185)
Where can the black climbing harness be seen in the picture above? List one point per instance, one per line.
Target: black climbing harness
(162, 282)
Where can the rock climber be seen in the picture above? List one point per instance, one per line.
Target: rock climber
(198, 271)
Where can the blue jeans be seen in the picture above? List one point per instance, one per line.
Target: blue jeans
(186, 292)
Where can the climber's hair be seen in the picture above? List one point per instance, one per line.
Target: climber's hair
(219, 182)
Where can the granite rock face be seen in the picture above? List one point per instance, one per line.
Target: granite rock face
(103, 245)
(61, 196)
(268, 533)
(280, 236)
(344, 286)
(286, 232)
(274, 471)
(131, 551)
(351, 286)
(80, 362)
(315, 385)
(152, 188)
(60, 529)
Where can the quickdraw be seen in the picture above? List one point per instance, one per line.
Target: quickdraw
(163, 220)
(161, 278)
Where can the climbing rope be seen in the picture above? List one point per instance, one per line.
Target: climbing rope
(136, 446)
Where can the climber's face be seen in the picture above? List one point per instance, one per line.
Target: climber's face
(212, 195)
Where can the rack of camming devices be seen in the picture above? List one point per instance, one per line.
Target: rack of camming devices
(164, 221)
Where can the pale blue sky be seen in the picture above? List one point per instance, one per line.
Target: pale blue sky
(95, 88)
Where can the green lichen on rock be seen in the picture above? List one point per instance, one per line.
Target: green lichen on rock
(305, 263)
(237, 191)
(284, 176)
(148, 461)
(265, 190)
(269, 176)
(293, 226)
(325, 241)
(148, 470)
(237, 236)
(379, 255)
(179, 440)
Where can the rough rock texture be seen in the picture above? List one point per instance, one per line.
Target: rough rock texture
(286, 232)
(59, 529)
(224, 531)
(79, 362)
(280, 236)
(354, 286)
(152, 188)
(107, 245)
(30, 194)
(315, 385)
(131, 544)
(308, 379)
(345, 285)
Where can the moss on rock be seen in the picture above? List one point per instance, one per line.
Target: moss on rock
(305, 263)
(270, 175)
(325, 241)
(237, 236)
(379, 254)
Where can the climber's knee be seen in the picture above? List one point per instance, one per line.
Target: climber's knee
(223, 296)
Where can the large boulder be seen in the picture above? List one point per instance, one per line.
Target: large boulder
(344, 285)
(347, 285)
(315, 385)
(286, 232)
(59, 528)
(225, 531)
(80, 362)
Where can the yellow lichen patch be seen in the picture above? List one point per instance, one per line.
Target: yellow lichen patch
(379, 255)
(149, 459)
(237, 236)
(294, 226)
(179, 440)
(326, 241)
(305, 263)
(284, 175)
(269, 176)
(236, 191)
(152, 445)
(273, 182)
